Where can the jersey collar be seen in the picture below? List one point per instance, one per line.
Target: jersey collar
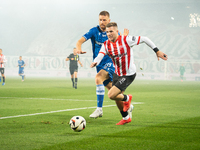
(98, 27)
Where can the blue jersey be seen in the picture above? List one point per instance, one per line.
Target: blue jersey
(97, 38)
(21, 63)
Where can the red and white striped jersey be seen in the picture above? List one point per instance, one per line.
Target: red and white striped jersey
(2, 61)
(121, 53)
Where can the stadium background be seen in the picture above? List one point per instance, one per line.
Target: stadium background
(45, 32)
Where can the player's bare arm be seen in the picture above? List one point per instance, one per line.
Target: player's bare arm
(66, 59)
(80, 63)
(93, 64)
(79, 44)
(162, 55)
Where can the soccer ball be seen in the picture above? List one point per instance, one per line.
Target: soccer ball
(77, 123)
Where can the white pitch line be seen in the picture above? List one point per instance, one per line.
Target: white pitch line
(48, 99)
(42, 113)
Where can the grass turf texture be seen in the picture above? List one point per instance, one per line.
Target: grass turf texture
(168, 119)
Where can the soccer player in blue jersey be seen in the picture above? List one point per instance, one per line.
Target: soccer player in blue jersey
(105, 69)
(21, 65)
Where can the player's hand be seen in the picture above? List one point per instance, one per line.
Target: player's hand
(80, 52)
(72, 58)
(93, 64)
(162, 55)
(126, 32)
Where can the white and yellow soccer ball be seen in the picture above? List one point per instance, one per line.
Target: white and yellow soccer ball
(77, 123)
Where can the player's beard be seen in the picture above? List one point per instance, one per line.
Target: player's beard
(103, 27)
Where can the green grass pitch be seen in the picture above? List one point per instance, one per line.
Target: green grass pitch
(34, 115)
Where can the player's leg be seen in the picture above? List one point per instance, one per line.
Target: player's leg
(75, 76)
(72, 79)
(116, 93)
(3, 76)
(76, 80)
(101, 76)
(21, 73)
(72, 75)
(1, 69)
(120, 104)
(181, 77)
(23, 77)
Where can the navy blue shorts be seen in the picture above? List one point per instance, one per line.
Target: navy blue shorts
(109, 67)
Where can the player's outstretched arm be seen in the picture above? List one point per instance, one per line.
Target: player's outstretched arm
(93, 64)
(79, 44)
(162, 55)
(97, 60)
(159, 53)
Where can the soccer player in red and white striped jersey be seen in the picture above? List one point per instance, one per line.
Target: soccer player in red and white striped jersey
(2, 65)
(119, 48)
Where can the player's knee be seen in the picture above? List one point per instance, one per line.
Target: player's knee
(98, 79)
(111, 95)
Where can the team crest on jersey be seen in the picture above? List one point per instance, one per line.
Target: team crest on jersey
(119, 55)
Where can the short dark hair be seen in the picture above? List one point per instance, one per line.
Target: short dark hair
(104, 13)
(111, 24)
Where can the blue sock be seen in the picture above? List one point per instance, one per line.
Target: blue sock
(100, 91)
(22, 77)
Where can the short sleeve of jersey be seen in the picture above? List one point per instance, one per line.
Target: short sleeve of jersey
(70, 56)
(133, 40)
(89, 34)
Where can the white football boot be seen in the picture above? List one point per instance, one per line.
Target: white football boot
(97, 113)
(130, 110)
